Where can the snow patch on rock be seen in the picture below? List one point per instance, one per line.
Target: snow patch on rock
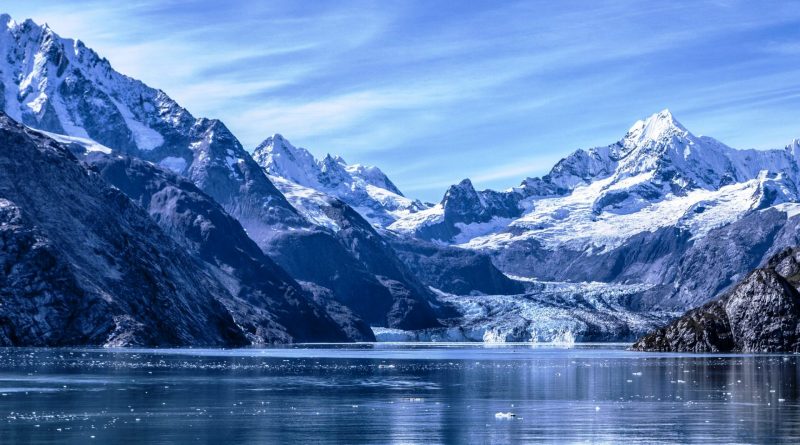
(174, 164)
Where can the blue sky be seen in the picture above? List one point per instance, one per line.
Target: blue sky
(435, 91)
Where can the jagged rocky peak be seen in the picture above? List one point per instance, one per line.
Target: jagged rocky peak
(793, 149)
(462, 205)
(374, 176)
(461, 196)
(61, 86)
(365, 188)
(332, 171)
(280, 158)
(465, 205)
(642, 149)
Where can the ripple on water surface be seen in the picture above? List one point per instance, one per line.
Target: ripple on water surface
(403, 393)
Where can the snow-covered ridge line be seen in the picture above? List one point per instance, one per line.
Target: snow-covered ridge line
(51, 83)
(365, 188)
(659, 174)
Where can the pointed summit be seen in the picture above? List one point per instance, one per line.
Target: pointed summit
(6, 21)
(655, 128)
(280, 158)
(461, 196)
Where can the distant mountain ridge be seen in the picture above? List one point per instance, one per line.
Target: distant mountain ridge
(658, 159)
(367, 189)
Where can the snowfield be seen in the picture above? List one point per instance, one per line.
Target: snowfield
(571, 220)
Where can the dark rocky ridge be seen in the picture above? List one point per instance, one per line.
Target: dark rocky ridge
(361, 269)
(83, 265)
(453, 270)
(760, 314)
(462, 204)
(268, 303)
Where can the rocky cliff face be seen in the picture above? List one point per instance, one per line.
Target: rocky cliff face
(359, 267)
(83, 265)
(266, 301)
(760, 314)
(453, 270)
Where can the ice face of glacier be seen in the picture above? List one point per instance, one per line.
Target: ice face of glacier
(549, 312)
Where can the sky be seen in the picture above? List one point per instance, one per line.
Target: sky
(436, 91)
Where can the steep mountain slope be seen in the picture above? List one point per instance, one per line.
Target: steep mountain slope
(83, 265)
(269, 304)
(360, 267)
(453, 270)
(60, 86)
(315, 186)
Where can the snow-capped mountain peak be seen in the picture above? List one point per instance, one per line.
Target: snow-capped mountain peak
(664, 151)
(367, 189)
(280, 158)
(793, 149)
(61, 86)
(658, 127)
(657, 174)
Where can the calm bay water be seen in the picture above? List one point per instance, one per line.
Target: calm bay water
(396, 394)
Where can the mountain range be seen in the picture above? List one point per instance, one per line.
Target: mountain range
(128, 221)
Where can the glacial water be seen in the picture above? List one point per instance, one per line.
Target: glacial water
(396, 393)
